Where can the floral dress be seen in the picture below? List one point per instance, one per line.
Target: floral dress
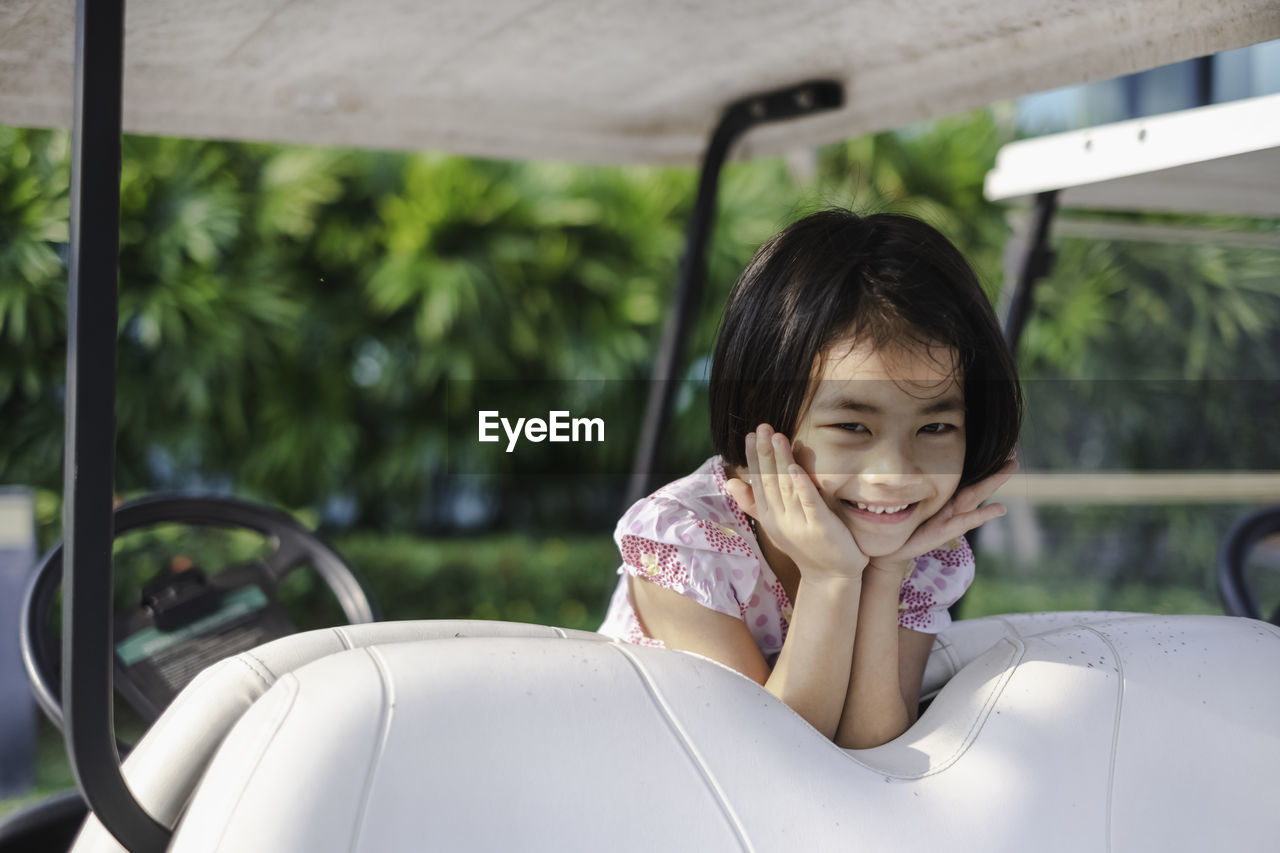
(691, 537)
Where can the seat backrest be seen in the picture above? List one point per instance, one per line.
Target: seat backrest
(1080, 737)
(167, 764)
(164, 767)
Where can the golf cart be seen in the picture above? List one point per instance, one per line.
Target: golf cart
(1075, 726)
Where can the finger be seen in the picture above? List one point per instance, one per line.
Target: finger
(962, 523)
(943, 528)
(741, 492)
(806, 493)
(786, 486)
(969, 497)
(768, 468)
(755, 481)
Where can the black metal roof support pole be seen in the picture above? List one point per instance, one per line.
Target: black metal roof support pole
(89, 464)
(1030, 259)
(1204, 66)
(741, 116)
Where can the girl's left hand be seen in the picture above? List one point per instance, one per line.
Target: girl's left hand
(960, 515)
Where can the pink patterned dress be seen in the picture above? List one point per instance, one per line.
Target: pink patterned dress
(691, 537)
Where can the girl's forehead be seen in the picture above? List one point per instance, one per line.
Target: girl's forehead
(908, 380)
(917, 364)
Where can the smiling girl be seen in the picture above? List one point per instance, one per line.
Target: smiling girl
(863, 406)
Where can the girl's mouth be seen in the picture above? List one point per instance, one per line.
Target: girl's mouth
(880, 513)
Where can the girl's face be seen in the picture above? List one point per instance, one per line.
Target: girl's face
(883, 436)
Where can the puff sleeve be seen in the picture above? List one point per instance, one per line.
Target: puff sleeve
(696, 551)
(937, 582)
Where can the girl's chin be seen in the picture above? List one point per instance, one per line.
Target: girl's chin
(873, 546)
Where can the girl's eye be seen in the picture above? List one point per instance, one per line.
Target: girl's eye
(937, 429)
(852, 427)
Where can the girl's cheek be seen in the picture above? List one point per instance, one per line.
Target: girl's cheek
(944, 461)
(805, 456)
(828, 496)
(946, 484)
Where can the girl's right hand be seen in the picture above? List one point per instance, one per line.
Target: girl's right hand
(783, 500)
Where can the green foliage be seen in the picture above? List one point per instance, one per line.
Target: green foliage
(1159, 311)
(934, 171)
(297, 324)
(991, 595)
(1122, 553)
(34, 179)
(289, 316)
(564, 581)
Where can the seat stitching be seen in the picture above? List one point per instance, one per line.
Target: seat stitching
(388, 708)
(949, 652)
(1010, 626)
(1115, 730)
(186, 697)
(695, 757)
(1015, 658)
(945, 653)
(291, 684)
(255, 665)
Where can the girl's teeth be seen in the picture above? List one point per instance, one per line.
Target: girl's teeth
(880, 510)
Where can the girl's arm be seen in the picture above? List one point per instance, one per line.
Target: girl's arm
(913, 655)
(813, 668)
(888, 661)
(880, 703)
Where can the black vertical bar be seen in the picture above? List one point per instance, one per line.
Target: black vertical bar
(741, 116)
(1028, 259)
(90, 428)
(1031, 259)
(675, 334)
(1131, 90)
(1204, 80)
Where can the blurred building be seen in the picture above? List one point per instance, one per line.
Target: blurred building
(1244, 73)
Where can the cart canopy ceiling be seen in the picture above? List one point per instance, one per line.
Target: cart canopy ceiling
(589, 80)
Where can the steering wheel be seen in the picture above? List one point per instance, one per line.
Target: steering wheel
(1237, 597)
(187, 621)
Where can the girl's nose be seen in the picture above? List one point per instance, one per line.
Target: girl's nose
(890, 465)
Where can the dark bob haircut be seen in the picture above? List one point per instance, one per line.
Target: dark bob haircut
(886, 280)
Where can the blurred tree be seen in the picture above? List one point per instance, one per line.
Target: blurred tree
(34, 180)
(1152, 357)
(298, 323)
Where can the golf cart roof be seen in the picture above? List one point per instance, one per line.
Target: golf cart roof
(603, 82)
(1219, 159)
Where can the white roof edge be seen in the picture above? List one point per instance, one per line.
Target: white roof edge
(1135, 147)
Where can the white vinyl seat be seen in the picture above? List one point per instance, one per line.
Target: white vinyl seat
(163, 768)
(1069, 731)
